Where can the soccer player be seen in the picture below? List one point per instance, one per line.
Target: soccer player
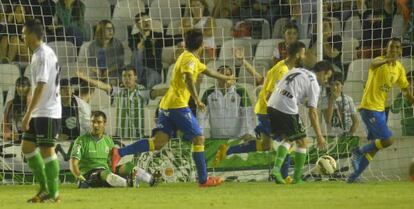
(174, 112)
(92, 170)
(296, 54)
(384, 72)
(41, 123)
(298, 86)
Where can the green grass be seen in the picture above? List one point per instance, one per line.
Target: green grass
(262, 195)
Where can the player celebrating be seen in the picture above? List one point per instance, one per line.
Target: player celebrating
(298, 85)
(41, 123)
(383, 73)
(296, 53)
(174, 112)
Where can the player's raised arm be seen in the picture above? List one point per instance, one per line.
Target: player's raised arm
(219, 76)
(239, 54)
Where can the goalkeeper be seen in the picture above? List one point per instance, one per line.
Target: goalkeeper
(90, 157)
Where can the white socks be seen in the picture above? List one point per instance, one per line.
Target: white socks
(142, 175)
(116, 181)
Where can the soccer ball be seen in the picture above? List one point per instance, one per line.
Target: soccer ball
(326, 165)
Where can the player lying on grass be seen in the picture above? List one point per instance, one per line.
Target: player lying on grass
(298, 86)
(90, 157)
(384, 72)
(295, 56)
(174, 112)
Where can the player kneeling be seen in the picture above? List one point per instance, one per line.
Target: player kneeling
(90, 157)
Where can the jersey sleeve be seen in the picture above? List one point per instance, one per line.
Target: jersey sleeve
(77, 149)
(41, 68)
(402, 81)
(313, 94)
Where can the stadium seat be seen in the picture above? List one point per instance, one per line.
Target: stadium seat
(168, 55)
(398, 26)
(97, 10)
(336, 26)
(165, 10)
(174, 28)
(68, 71)
(223, 30)
(9, 75)
(260, 28)
(65, 51)
(83, 53)
(358, 70)
(265, 49)
(353, 28)
(354, 89)
(111, 124)
(349, 49)
(100, 100)
(278, 28)
(228, 46)
(124, 15)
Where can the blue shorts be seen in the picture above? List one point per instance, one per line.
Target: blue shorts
(263, 125)
(169, 121)
(376, 124)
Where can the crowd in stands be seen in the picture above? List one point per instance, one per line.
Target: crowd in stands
(134, 70)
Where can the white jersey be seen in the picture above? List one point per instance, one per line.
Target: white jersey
(298, 85)
(45, 69)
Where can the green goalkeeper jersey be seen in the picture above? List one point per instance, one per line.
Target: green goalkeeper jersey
(92, 153)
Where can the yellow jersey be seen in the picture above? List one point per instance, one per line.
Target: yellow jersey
(379, 84)
(178, 95)
(273, 76)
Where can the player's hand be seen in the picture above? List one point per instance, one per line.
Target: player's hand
(231, 80)
(321, 142)
(201, 106)
(238, 53)
(26, 121)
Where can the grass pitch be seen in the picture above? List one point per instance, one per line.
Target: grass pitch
(259, 195)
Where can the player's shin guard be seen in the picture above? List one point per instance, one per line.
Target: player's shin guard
(282, 151)
(115, 180)
(250, 146)
(37, 165)
(52, 169)
(142, 145)
(372, 146)
(300, 158)
(200, 161)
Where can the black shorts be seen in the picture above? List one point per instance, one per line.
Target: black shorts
(284, 125)
(93, 179)
(43, 131)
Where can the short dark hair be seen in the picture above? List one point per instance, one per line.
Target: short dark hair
(223, 67)
(193, 39)
(322, 66)
(294, 48)
(338, 77)
(129, 68)
(98, 113)
(64, 82)
(35, 27)
(290, 25)
(23, 81)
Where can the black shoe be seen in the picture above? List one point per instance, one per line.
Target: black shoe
(38, 197)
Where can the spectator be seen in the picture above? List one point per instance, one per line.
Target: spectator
(198, 17)
(332, 47)
(147, 46)
(92, 170)
(12, 44)
(15, 109)
(106, 53)
(291, 35)
(71, 16)
(242, 29)
(376, 27)
(130, 99)
(338, 109)
(401, 104)
(226, 9)
(228, 109)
